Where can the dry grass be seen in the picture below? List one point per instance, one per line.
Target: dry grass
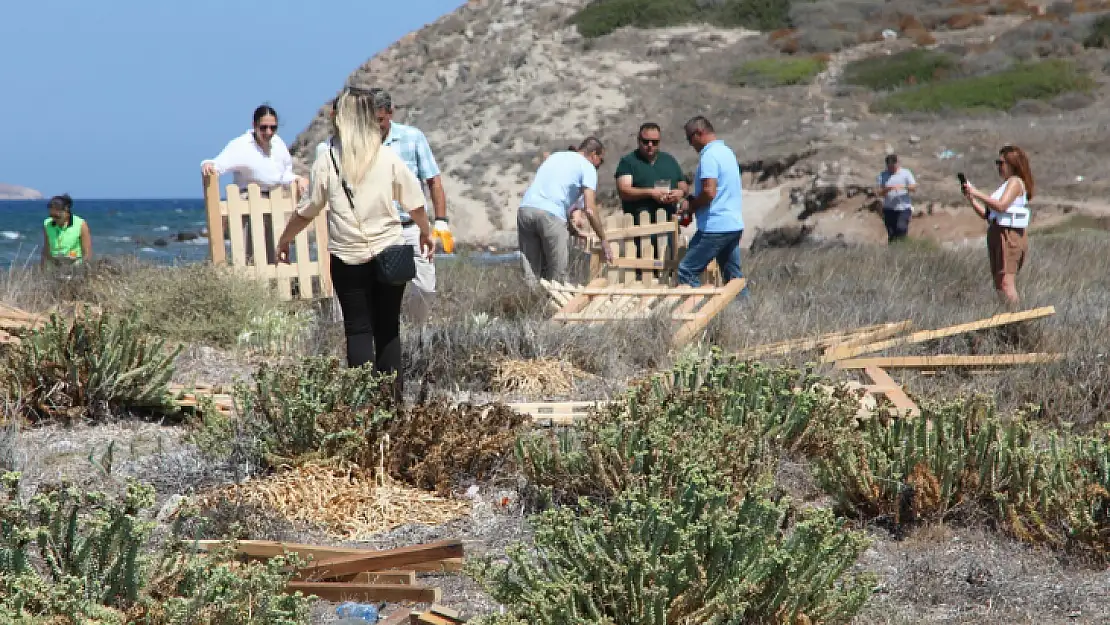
(349, 503)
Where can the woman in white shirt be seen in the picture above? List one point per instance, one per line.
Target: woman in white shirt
(359, 182)
(257, 156)
(1007, 213)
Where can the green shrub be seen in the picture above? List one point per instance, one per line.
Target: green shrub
(962, 456)
(999, 91)
(695, 556)
(778, 71)
(73, 556)
(602, 17)
(917, 66)
(1099, 36)
(89, 368)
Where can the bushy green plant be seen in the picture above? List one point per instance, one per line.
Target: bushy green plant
(71, 556)
(998, 91)
(961, 455)
(91, 367)
(602, 17)
(778, 71)
(912, 67)
(314, 410)
(691, 557)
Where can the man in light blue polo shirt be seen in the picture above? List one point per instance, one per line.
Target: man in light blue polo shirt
(541, 221)
(716, 204)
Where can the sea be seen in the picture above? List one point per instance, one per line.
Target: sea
(169, 232)
(160, 231)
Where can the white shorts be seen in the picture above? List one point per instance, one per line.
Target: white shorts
(425, 279)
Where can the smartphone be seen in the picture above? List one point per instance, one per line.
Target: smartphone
(962, 177)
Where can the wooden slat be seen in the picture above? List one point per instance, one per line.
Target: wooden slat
(237, 208)
(214, 211)
(381, 577)
(278, 208)
(927, 335)
(323, 258)
(869, 337)
(257, 207)
(622, 232)
(400, 617)
(580, 301)
(706, 314)
(947, 360)
(634, 290)
(782, 348)
(902, 403)
(606, 315)
(343, 591)
(385, 559)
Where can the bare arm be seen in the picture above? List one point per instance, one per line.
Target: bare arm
(628, 192)
(86, 242)
(595, 219)
(708, 193)
(978, 206)
(439, 196)
(1002, 204)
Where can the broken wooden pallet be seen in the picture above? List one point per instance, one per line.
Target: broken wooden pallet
(546, 414)
(689, 309)
(265, 549)
(12, 318)
(190, 397)
(437, 615)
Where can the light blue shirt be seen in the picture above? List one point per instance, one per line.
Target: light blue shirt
(412, 146)
(725, 213)
(897, 200)
(559, 183)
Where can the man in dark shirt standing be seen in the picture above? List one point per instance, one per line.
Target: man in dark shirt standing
(649, 178)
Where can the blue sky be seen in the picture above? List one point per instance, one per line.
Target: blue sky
(123, 99)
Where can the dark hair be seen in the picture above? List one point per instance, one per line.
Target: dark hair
(61, 202)
(263, 111)
(591, 145)
(1018, 161)
(891, 159)
(648, 126)
(698, 123)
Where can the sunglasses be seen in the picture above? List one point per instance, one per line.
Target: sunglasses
(649, 141)
(999, 162)
(268, 127)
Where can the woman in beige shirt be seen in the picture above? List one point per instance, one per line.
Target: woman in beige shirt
(360, 227)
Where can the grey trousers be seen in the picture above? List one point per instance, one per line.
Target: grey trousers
(544, 244)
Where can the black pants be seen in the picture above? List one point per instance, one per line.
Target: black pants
(371, 317)
(897, 224)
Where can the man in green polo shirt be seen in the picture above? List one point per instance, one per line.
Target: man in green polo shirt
(648, 178)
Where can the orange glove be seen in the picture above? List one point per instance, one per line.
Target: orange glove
(442, 234)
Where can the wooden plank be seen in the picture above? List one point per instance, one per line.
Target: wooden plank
(947, 360)
(217, 253)
(636, 290)
(236, 209)
(323, 258)
(258, 207)
(622, 232)
(627, 316)
(400, 617)
(344, 591)
(902, 403)
(927, 335)
(580, 301)
(381, 577)
(781, 348)
(869, 337)
(710, 310)
(380, 560)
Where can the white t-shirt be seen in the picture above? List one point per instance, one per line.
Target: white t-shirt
(245, 159)
(559, 183)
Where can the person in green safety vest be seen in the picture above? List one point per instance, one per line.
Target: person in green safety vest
(66, 238)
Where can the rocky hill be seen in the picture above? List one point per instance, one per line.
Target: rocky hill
(810, 104)
(12, 192)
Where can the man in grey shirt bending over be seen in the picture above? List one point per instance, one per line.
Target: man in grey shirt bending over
(895, 185)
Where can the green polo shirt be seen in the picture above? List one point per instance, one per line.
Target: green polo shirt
(644, 175)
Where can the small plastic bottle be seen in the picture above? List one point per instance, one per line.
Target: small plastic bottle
(354, 613)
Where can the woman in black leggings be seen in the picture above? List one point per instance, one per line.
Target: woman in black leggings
(362, 184)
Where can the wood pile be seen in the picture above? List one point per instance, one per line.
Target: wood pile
(363, 575)
(12, 318)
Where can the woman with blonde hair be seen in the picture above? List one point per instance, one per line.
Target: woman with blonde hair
(1007, 213)
(370, 265)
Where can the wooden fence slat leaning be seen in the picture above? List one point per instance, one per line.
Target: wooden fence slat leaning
(253, 223)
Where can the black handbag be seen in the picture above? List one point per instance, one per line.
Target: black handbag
(396, 264)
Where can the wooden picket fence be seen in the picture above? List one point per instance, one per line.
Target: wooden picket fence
(254, 225)
(639, 260)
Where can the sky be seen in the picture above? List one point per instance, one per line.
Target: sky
(123, 99)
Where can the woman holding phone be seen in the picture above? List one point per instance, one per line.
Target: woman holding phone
(1007, 213)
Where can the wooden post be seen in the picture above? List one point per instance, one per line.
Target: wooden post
(216, 252)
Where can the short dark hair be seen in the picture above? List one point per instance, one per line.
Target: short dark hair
(698, 123)
(891, 159)
(648, 126)
(591, 145)
(61, 202)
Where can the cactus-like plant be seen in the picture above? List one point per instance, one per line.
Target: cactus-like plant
(87, 368)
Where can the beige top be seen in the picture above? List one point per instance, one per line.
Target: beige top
(356, 236)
